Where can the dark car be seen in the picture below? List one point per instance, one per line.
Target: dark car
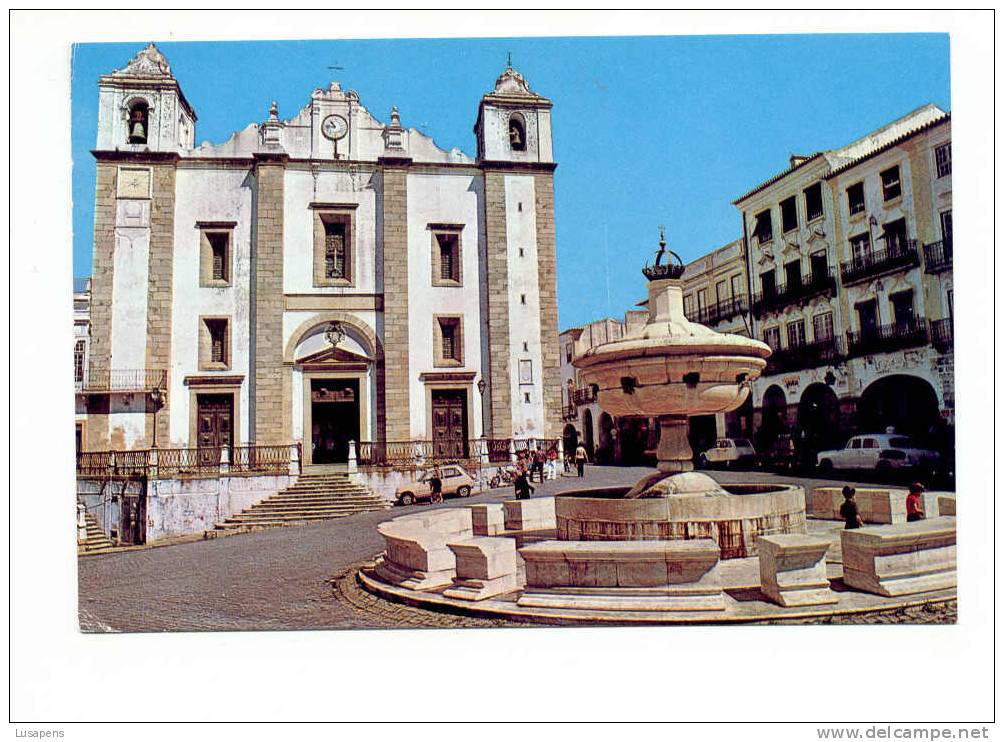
(781, 454)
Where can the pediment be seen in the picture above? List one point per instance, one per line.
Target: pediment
(333, 357)
(766, 256)
(812, 234)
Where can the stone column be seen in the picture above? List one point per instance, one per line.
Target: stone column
(81, 523)
(497, 290)
(102, 275)
(270, 409)
(294, 459)
(550, 352)
(160, 292)
(353, 459)
(225, 461)
(393, 410)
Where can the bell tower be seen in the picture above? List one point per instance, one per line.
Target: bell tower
(514, 123)
(141, 107)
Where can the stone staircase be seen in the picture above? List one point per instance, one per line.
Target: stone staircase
(96, 538)
(312, 497)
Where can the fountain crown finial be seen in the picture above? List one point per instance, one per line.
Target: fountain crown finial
(660, 271)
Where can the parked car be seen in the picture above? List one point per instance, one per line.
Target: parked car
(456, 481)
(780, 454)
(728, 452)
(880, 452)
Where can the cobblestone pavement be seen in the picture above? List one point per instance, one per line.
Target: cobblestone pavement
(302, 577)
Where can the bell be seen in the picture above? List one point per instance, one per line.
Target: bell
(136, 132)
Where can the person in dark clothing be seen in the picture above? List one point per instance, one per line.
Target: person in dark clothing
(849, 510)
(914, 504)
(538, 465)
(436, 485)
(523, 487)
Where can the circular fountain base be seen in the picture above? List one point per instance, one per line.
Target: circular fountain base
(734, 517)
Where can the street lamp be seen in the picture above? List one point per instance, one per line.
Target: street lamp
(482, 385)
(157, 397)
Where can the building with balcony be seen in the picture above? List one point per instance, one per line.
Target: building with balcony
(321, 279)
(850, 256)
(715, 289)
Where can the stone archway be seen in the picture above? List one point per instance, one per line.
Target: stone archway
(906, 403)
(359, 330)
(773, 417)
(605, 449)
(570, 439)
(818, 421)
(587, 434)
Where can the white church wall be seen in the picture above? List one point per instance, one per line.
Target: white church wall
(442, 199)
(218, 195)
(330, 187)
(524, 304)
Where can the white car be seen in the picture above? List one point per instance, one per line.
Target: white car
(881, 452)
(728, 452)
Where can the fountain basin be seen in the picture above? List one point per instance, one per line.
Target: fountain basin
(734, 518)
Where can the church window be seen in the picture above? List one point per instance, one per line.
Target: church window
(334, 250)
(214, 343)
(448, 341)
(138, 125)
(446, 263)
(333, 254)
(216, 256)
(517, 133)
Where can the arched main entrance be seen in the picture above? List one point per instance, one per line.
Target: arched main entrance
(818, 421)
(587, 433)
(632, 439)
(907, 403)
(332, 387)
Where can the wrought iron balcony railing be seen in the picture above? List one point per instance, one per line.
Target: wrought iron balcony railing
(584, 396)
(817, 282)
(900, 256)
(123, 380)
(720, 311)
(808, 355)
(887, 338)
(938, 256)
(942, 337)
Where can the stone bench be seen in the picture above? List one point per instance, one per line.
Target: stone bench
(900, 559)
(488, 519)
(417, 556)
(623, 575)
(793, 569)
(946, 503)
(535, 514)
(875, 505)
(485, 567)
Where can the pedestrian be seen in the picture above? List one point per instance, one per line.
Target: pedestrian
(523, 487)
(849, 510)
(538, 465)
(552, 463)
(580, 459)
(568, 461)
(436, 485)
(914, 503)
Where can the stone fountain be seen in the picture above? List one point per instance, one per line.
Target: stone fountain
(672, 368)
(658, 547)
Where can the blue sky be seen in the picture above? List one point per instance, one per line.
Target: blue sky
(647, 131)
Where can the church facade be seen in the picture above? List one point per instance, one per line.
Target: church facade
(319, 279)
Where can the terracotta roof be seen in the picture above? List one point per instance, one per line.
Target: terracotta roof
(783, 173)
(898, 140)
